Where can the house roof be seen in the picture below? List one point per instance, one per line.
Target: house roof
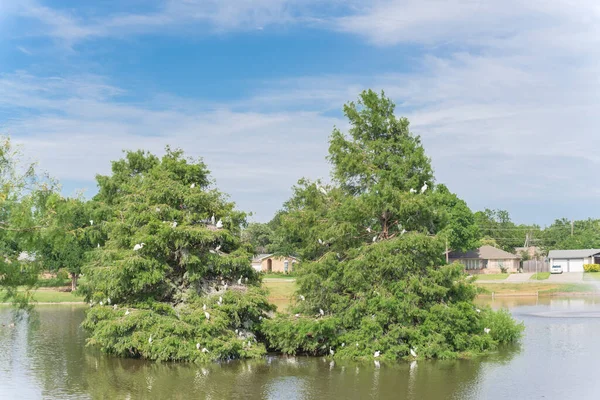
(485, 253)
(260, 257)
(572, 253)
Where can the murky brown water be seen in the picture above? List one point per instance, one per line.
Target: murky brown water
(558, 359)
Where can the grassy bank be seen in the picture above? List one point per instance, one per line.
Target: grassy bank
(278, 276)
(280, 293)
(43, 295)
(533, 288)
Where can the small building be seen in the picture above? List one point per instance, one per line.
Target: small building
(573, 260)
(272, 263)
(487, 260)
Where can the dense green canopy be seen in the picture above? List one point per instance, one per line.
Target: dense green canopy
(170, 280)
(373, 282)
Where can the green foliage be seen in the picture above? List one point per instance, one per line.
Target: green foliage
(497, 229)
(259, 236)
(186, 260)
(591, 267)
(371, 249)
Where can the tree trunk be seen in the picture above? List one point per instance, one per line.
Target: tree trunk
(74, 278)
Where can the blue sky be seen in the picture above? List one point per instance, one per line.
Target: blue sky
(504, 94)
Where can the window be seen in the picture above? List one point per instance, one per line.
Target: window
(471, 263)
(286, 264)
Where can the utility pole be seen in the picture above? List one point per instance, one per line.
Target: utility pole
(572, 226)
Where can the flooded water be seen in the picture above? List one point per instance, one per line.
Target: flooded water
(45, 358)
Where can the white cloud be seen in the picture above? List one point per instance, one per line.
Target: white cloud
(79, 126)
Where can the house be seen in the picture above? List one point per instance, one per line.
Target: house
(533, 252)
(272, 263)
(573, 260)
(486, 260)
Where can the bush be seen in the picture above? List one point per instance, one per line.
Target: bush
(62, 274)
(591, 267)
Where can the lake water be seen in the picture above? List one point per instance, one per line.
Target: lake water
(559, 358)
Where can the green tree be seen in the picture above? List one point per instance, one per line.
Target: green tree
(372, 244)
(173, 280)
(259, 236)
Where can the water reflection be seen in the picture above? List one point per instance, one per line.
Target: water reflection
(49, 360)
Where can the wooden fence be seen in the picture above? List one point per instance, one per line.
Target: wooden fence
(536, 265)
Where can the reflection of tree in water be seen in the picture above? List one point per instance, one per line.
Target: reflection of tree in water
(65, 367)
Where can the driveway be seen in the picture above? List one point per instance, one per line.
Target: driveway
(566, 277)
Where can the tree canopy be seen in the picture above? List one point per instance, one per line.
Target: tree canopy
(372, 280)
(171, 280)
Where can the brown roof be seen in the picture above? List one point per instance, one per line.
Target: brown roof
(484, 253)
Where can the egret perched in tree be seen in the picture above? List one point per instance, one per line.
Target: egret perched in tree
(115, 307)
(403, 232)
(320, 241)
(486, 330)
(374, 238)
(225, 287)
(92, 222)
(240, 281)
(174, 224)
(193, 185)
(204, 307)
(138, 246)
(108, 301)
(478, 310)
(377, 353)
(413, 353)
(302, 297)
(260, 318)
(207, 315)
(204, 350)
(331, 351)
(424, 188)
(197, 346)
(100, 303)
(219, 224)
(343, 344)
(323, 190)
(212, 219)
(157, 209)
(150, 339)
(98, 245)
(127, 312)
(413, 191)
(296, 315)
(369, 229)
(218, 248)
(321, 311)
(220, 300)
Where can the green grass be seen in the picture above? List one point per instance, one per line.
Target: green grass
(491, 277)
(280, 293)
(279, 276)
(540, 276)
(529, 288)
(54, 296)
(591, 276)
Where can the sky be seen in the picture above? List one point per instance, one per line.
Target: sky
(505, 94)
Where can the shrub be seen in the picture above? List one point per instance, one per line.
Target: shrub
(591, 267)
(62, 274)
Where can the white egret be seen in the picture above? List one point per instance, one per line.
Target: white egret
(323, 190)
(403, 232)
(321, 311)
(138, 246)
(98, 245)
(212, 219)
(369, 229)
(331, 351)
(297, 315)
(424, 188)
(115, 307)
(413, 191)
(225, 287)
(413, 353)
(193, 185)
(220, 300)
(127, 312)
(91, 222)
(150, 339)
(100, 303)
(260, 318)
(219, 224)
(204, 307)
(486, 330)
(211, 251)
(157, 209)
(320, 241)
(207, 315)
(478, 310)
(246, 279)
(343, 344)
(217, 249)
(302, 297)
(377, 353)
(240, 281)
(108, 301)
(204, 350)
(197, 346)
(174, 224)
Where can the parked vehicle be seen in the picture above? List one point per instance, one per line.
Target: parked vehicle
(556, 269)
